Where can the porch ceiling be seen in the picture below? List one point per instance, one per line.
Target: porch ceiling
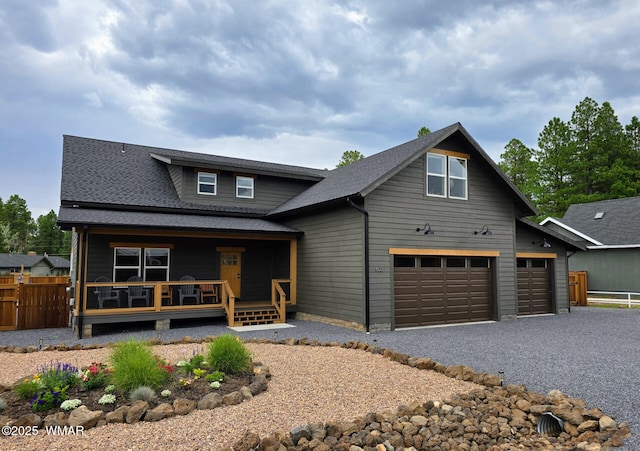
(69, 217)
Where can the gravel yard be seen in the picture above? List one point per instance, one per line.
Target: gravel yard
(308, 385)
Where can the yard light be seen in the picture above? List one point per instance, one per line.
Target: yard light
(40, 344)
(159, 336)
(501, 374)
(275, 335)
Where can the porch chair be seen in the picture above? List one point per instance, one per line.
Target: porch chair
(188, 291)
(106, 293)
(137, 292)
(209, 290)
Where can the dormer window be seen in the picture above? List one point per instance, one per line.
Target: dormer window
(244, 187)
(447, 175)
(207, 183)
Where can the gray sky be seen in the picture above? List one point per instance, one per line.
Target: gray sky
(297, 82)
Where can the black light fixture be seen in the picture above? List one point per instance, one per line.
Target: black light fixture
(483, 231)
(427, 229)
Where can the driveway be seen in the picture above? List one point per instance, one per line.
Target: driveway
(591, 353)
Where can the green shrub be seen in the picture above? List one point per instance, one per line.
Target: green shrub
(134, 365)
(229, 355)
(29, 388)
(194, 363)
(143, 393)
(216, 376)
(48, 399)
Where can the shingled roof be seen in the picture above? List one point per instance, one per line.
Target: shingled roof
(363, 176)
(28, 261)
(107, 174)
(614, 222)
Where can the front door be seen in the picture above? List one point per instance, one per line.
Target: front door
(230, 270)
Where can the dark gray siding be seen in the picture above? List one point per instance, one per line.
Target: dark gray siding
(529, 242)
(176, 177)
(609, 269)
(269, 192)
(400, 206)
(330, 264)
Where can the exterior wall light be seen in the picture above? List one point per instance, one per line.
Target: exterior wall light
(427, 229)
(483, 231)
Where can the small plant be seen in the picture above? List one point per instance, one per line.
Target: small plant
(48, 399)
(29, 388)
(194, 363)
(58, 375)
(110, 388)
(107, 398)
(198, 373)
(95, 376)
(143, 393)
(165, 393)
(215, 385)
(184, 382)
(70, 404)
(229, 355)
(3, 404)
(134, 365)
(216, 376)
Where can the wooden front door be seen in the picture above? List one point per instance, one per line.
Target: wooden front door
(230, 270)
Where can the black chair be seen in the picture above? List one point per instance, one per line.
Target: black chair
(137, 292)
(188, 291)
(106, 293)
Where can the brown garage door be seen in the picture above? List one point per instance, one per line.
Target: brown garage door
(534, 288)
(442, 290)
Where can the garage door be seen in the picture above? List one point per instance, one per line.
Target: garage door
(534, 287)
(442, 290)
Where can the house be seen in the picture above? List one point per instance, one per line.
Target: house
(428, 232)
(35, 265)
(610, 230)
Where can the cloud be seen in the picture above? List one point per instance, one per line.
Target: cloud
(300, 82)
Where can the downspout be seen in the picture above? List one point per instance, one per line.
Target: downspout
(366, 261)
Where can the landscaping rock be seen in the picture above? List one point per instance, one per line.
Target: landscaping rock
(298, 433)
(56, 419)
(136, 411)
(232, 398)
(210, 401)
(246, 393)
(182, 406)
(248, 442)
(258, 384)
(607, 423)
(84, 417)
(30, 419)
(117, 416)
(160, 412)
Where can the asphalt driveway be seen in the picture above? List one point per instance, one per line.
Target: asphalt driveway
(591, 353)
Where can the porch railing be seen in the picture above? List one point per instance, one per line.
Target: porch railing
(279, 298)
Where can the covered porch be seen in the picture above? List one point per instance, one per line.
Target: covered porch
(125, 275)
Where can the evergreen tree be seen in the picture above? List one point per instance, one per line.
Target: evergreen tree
(519, 163)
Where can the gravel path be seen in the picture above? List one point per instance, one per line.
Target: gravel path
(590, 353)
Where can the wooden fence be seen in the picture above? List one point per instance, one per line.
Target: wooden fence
(578, 287)
(34, 305)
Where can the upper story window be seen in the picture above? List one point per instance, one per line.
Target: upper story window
(207, 183)
(244, 187)
(446, 176)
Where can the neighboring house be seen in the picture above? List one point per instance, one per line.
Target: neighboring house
(610, 230)
(428, 232)
(35, 265)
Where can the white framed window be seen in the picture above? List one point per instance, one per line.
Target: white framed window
(126, 263)
(436, 175)
(457, 178)
(244, 187)
(156, 264)
(447, 176)
(207, 183)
